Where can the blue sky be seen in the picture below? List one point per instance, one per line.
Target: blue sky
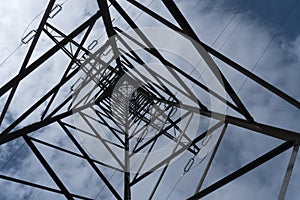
(253, 37)
(271, 13)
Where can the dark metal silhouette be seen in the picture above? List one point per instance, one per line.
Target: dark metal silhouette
(134, 107)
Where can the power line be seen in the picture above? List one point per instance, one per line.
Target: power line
(229, 22)
(236, 27)
(23, 34)
(4, 61)
(270, 42)
(104, 186)
(174, 187)
(257, 62)
(226, 26)
(11, 54)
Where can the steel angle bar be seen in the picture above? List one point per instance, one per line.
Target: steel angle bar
(158, 181)
(64, 48)
(47, 167)
(27, 57)
(160, 85)
(251, 75)
(150, 46)
(223, 58)
(187, 29)
(154, 15)
(36, 105)
(47, 55)
(81, 47)
(45, 188)
(205, 88)
(175, 154)
(272, 131)
(35, 126)
(243, 170)
(74, 95)
(69, 67)
(82, 151)
(161, 132)
(102, 140)
(4, 137)
(288, 173)
(144, 160)
(95, 161)
(109, 28)
(113, 130)
(211, 159)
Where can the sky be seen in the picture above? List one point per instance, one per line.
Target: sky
(262, 36)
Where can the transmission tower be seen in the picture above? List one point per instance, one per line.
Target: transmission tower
(135, 106)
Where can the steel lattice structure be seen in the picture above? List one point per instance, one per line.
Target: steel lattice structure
(114, 91)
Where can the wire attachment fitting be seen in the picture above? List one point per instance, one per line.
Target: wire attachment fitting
(189, 165)
(55, 11)
(26, 39)
(206, 139)
(92, 45)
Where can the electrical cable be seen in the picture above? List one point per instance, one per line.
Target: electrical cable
(65, 1)
(11, 156)
(47, 184)
(179, 179)
(253, 68)
(226, 26)
(4, 61)
(105, 185)
(236, 27)
(217, 38)
(259, 59)
(140, 14)
(174, 187)
(270, 42)
(229, 22)
(26, 29)
(11, 54)
(115, 20)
